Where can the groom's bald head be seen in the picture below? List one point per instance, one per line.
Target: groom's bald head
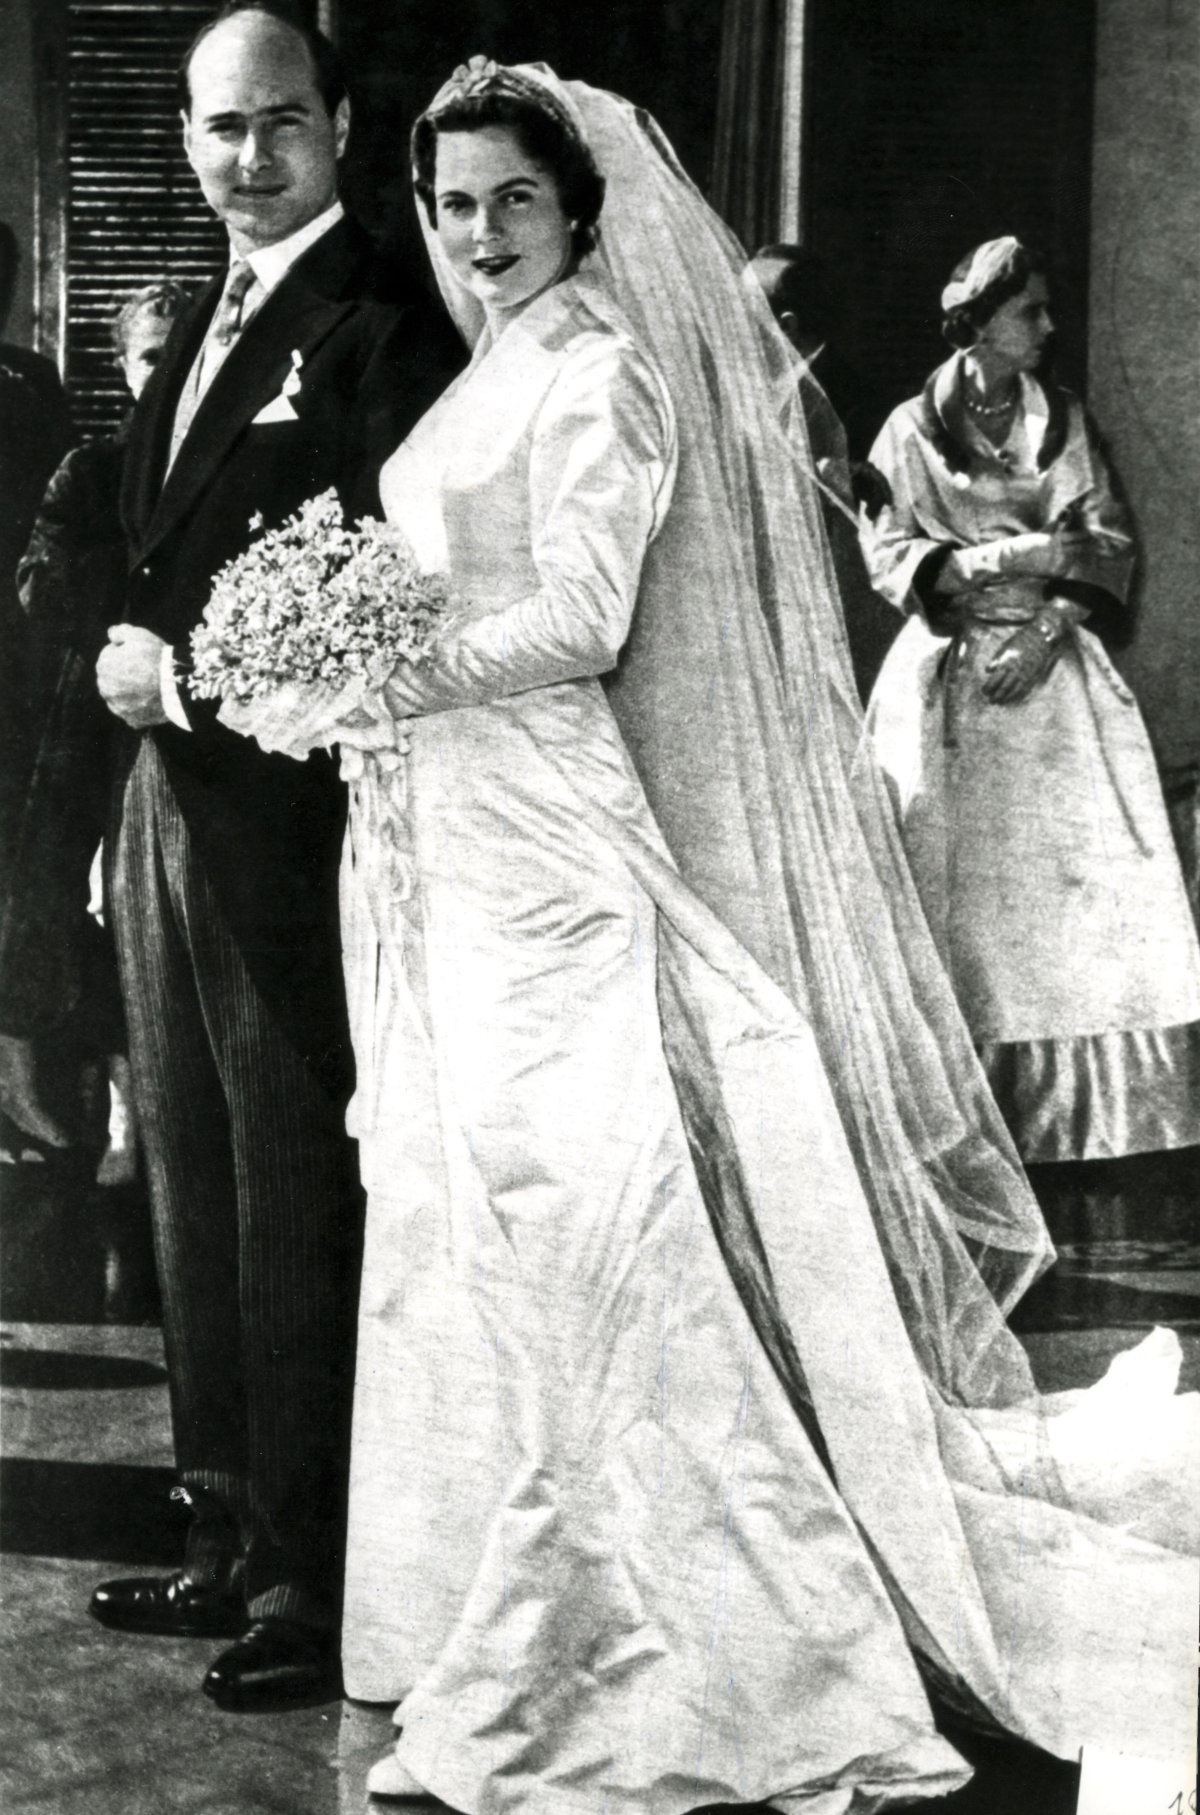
(328, 72)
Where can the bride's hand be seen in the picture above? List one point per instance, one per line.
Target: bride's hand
(373, 733)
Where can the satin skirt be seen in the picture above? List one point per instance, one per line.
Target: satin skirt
(1040, 846)
(596, 1551)
(590, 1544)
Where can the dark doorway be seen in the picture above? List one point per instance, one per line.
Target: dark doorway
(934, 124)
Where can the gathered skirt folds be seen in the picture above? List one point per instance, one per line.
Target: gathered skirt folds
(596, 1549)
(1040, 845)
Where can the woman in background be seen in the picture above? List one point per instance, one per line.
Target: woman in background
(1027, 790)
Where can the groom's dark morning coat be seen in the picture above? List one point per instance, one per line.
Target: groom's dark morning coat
(222, 875)
(269, 829)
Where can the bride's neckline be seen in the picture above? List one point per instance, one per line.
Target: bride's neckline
(534, 309)
(501, 320)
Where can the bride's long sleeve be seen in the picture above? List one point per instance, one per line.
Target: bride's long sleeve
(600, 477)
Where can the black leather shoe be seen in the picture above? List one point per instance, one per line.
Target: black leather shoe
(276, 1664)
(169, 1604)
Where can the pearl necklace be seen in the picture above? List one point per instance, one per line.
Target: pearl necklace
(990, 410)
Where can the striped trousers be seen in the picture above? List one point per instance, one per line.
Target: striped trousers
(257, 1225)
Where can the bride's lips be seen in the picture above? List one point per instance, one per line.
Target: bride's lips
(494, 267)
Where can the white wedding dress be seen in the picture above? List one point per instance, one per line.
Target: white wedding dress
(651, 1500)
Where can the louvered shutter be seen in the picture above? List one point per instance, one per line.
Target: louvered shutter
(134, 209)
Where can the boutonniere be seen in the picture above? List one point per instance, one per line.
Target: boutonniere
(292, 383)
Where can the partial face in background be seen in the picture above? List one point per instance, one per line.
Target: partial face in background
(500, 219)
(259, 137)
(1015, 338)
(778, 279)
(142, 348)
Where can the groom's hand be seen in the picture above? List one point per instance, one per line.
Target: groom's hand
(129, 675)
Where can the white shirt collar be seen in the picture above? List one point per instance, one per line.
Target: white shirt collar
(271, 264)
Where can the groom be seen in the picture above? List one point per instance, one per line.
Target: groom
(289, 377)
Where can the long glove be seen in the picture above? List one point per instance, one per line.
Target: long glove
(1039, 554)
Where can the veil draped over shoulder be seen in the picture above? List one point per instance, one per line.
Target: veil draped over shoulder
(868, 1198)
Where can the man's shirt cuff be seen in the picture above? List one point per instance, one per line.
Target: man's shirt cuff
(169, 688)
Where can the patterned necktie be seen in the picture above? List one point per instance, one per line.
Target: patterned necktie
(228, 319)
(223, 330)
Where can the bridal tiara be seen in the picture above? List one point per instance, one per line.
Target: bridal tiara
(484, 76)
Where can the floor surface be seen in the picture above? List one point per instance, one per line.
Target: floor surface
(99, 1723)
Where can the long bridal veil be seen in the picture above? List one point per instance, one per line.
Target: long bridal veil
(736, 698)
(868, 1197)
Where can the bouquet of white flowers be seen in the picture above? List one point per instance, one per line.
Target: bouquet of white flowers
(313, 604)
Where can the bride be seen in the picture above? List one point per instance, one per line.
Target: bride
(687, 1422)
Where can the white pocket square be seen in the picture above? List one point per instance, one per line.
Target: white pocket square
(278, 410)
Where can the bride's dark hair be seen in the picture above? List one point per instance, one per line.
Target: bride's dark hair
(542, 136)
